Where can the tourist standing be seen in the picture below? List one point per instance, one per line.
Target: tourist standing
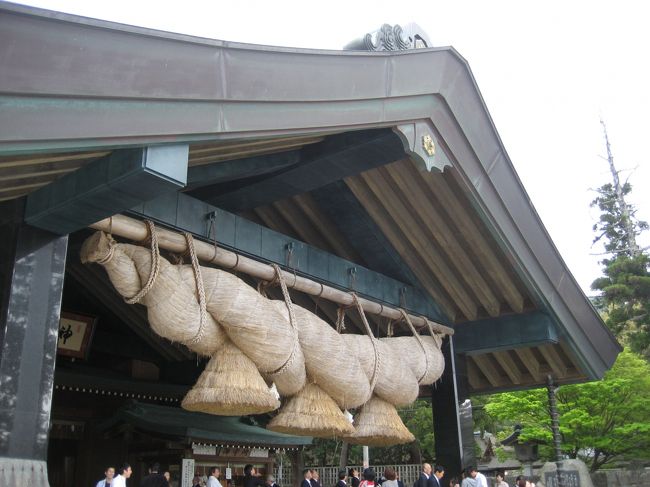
(213, 479)
(500, 482)
(423, 480)
(391, 478)
(121, 478)
(353, 473)
(306, 477)
(109, 473)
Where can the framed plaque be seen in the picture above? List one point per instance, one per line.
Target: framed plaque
(75, 334)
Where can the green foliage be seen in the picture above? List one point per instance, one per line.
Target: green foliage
(625, 300)
(600, 421)
(625, 286)
(616, 220)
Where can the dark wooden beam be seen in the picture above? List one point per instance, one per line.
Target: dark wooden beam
(337, 157)
(109, 185)
(505, 333)
(182, 212)
(219, 172)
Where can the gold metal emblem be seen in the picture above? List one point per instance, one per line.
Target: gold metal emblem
(428, 145)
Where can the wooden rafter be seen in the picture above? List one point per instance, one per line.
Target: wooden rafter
(439, 231)
(397, 216)
(407, 251)
(452, 204)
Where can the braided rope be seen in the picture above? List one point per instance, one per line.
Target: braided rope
(437, 337)
(340, 320)
(155, 265)
(198, 278)
(373, 340)
(292, 319)
(111, 251)
(407, 318)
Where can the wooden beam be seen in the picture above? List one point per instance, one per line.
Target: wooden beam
(404, 247)
(115, 183)
(553, 359)
(488, 369)
(474, 376)
(452, 202)
(335, 158)
(207, 174)
(329, 231)
(174, 242)
(432, 221)
(505, 333)
(187, 214)
(410, 229)
(508, 364)
(531, 363)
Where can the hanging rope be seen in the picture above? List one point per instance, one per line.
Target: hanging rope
(199, 288)
(292, 319)
(437, 337)
(340, 319)
(375, 370)
(155, 265)
(406, 318)
(111, 251)
(389, 328)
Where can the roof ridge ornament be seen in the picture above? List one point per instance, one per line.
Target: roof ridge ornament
(391, 38)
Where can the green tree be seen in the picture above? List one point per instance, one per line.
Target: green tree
(625, 286)
(601, 421)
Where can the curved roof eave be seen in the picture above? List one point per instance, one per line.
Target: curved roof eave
(152, 87)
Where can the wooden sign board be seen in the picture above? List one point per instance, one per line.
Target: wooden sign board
(75, 334)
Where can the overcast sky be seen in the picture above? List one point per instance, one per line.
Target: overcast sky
(547, 70)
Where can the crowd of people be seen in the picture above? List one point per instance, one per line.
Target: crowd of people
(429, 477)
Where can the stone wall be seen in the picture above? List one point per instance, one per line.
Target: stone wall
(639, 477)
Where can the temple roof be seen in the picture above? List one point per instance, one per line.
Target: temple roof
(388, 160)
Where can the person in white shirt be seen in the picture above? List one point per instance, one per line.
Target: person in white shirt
(125, 473)
(482, 481)
(109, 473)
(213, 479)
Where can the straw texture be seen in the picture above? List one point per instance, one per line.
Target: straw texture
(172, 305)
(396, 382)
(230, 385)
(258, 327)
(311, 412)
(408, 350)
(329, 361)
(378, 424)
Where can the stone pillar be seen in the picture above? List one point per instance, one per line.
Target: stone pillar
(32, 267)
(452, 415)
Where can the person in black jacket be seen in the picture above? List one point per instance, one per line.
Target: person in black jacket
(353, 473)
(250, 477)
(423, 480)
(342, 482)
(306, 477)
(155, 478)
(436, 479)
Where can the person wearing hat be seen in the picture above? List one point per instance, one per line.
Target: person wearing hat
(341, 482)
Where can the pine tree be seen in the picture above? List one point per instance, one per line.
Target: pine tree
(625, 286)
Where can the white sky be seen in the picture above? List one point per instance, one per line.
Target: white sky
(548, 70)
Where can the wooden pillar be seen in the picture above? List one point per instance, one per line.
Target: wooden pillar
(297, 466)
(32, 268)
(452, 415)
